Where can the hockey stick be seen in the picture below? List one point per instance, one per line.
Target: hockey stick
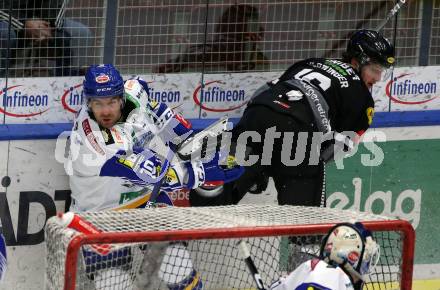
(390, 14)
(246, 256)
(156, 188)
(337, 45)
(193, 147)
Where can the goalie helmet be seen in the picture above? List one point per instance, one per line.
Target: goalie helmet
(103, 81)
(369, 46)
(353, 246)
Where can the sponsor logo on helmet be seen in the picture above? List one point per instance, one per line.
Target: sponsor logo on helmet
(73, 98)
(103, 89)
(353, 257)
(102, 79)
(18, 103)
(213, 98)
(351, 236)
(391, 60)
(407, 89)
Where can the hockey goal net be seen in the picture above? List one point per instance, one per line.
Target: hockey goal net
(158, 248)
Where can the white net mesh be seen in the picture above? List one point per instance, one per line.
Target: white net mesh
(169, 247)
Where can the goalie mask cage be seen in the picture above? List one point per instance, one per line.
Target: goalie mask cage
(158, 248)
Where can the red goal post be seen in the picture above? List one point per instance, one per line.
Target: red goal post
(279, 238)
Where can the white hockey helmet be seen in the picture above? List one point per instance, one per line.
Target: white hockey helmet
(352, 247)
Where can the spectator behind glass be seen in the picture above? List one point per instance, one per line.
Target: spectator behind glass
(41, 24)
(233, 48)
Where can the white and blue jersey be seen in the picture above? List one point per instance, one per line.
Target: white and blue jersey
(314, 274)
(108, 166)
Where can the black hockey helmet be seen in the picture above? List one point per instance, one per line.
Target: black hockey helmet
(370, 46)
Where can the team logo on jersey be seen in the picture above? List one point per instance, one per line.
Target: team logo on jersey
(370, 115)
(102, 79)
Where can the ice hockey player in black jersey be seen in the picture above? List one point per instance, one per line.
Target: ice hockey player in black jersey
(314, 97)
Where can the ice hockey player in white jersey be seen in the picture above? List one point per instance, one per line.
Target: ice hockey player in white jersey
(348, 253)
(117, 145)
(114, 149)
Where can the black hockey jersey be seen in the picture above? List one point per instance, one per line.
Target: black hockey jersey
(350, 104)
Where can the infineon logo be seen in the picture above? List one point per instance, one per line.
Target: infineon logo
(17, 103)
(161, 96)
(73, 98)
(405, 89)
(214, 98)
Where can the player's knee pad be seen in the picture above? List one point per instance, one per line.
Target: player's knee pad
(177, 269)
